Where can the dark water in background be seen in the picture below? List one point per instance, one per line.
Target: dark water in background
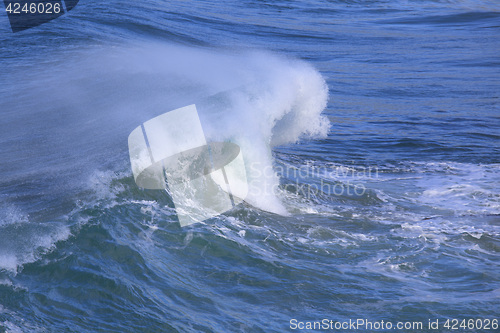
(413, 94)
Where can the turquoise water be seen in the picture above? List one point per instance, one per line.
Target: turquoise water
(379, 121)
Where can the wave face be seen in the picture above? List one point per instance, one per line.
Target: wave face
(371, 134)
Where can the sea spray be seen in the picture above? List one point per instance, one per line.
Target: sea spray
(82, 108)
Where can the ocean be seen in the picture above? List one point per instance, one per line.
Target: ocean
(375, 126)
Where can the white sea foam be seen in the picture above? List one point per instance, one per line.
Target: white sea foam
(12, 328)
(23, 241)
(462, 188)
(266, 100)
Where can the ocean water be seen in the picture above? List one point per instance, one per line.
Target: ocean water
(377, 124)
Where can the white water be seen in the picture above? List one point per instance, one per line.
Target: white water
(76, 113)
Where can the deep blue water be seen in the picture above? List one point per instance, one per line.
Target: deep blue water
(406, 141)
